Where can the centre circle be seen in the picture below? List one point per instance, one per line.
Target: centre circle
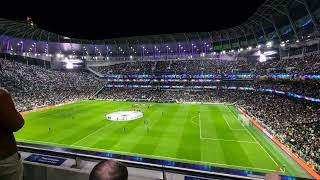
(124, 115)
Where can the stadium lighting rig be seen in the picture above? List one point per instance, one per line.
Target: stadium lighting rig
(59, 55)
(262, 58)
(269, 44)
(69, 65)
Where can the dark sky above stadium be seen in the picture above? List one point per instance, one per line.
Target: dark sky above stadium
(110, 18)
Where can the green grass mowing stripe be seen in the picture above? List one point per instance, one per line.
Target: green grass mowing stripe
(182, 139)
(256, 140)
(189, 140)
(231, 149)
(102, 127)
(291, 167)
(150, 156)
(160, 129)
(139, 131)
(61, 123)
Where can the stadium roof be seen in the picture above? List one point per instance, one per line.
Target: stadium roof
(276, 20)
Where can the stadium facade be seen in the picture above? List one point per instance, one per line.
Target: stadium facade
(277, 21)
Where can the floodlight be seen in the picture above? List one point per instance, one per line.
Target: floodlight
(262, 58)
(69, 65)
(269, 44)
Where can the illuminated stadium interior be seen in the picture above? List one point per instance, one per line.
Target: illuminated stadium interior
(236, 103)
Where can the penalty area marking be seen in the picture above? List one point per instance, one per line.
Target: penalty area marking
(217, 139)
(145, 155)
(255, 139)
(231, 128)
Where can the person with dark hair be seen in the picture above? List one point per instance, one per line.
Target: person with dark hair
(109, 170)
(11, 167)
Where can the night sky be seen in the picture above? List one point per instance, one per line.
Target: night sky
(111, 19)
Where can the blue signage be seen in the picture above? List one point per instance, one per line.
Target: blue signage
(46, 159)
(193, 178)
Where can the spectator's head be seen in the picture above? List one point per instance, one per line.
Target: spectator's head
(109, 170)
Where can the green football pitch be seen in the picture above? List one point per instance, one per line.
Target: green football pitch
(191, 133)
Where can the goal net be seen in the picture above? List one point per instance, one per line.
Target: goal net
(243, 120)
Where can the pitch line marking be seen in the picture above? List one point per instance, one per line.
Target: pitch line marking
(94, 132)
(145, 155)
(215, 139)
(230, 140)
(255, 140)
(233, 129)
(199, 119)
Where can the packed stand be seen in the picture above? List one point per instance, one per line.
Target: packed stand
(295, 123)
(308, 64)
(33, 86)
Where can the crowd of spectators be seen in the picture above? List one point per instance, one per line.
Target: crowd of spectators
(176, 67)
(308, 88)
(307, 64)
(295, 122)
(33, 86)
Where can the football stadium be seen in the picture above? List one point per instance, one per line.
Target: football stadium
(235, 103)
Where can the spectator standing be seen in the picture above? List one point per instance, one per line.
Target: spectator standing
(11, 167)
